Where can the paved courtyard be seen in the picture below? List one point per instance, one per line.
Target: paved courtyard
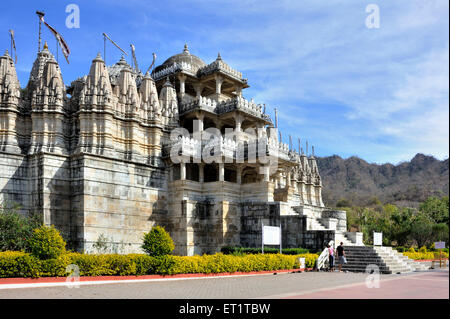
(431, 284)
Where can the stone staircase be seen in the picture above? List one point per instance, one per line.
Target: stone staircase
(388, 260)
(392, 255)
(341, 237)
(359, 257)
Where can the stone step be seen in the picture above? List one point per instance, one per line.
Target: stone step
(359, 258)
(363, 270)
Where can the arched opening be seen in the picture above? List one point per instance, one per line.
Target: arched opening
(188, 124)
(208, 122)
(192, 172)
(230, 175)
(211, 173)
(249, 175)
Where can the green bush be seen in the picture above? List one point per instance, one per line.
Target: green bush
(231, 250)
(158, 242)
(46, 243)
(15, 229)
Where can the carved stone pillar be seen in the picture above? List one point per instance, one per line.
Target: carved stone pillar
(221, 172)
(198, 87)
(182, 78)
(266, 173)
(201, 168)
(239, 175)
(182, 171)
(238, 89)
(219, 81)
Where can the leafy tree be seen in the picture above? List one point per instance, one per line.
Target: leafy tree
(343, 202)
(422, 229)
(158, 242)
(436, 209)
(16, 228)
(401, 225)
(440, 232)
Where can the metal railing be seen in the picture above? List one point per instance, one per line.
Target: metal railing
(322, 261)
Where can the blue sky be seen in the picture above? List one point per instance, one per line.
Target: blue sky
(381, 94)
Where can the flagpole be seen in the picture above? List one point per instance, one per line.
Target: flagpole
(57, 47)
(104, 48)
(40, 14)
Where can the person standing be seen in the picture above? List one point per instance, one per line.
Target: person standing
(331, 257)
(341, 256)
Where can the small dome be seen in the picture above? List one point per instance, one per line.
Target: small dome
(185, 56)
(114, 70)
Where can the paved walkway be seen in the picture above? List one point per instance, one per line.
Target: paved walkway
(429, 285)
(432, 284)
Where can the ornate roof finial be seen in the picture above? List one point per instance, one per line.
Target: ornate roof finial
(167, 82)
(98, 58)
(312, 150)
(186, 49)
(219, 57)
(6, 53)
(45, 46)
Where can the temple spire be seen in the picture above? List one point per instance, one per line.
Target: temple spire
(186, 49)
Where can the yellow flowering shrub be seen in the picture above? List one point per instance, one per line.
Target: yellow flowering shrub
(20, 264)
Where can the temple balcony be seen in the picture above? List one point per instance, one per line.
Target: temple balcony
(234, 104)
(224, 148)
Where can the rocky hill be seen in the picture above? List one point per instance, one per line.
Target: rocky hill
(405, 184)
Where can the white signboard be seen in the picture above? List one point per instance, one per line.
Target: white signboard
(271, 235)
(377, 239)
(439, 245)
(302, 262)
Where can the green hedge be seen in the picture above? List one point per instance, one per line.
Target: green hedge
(19, 264)
(230, 250)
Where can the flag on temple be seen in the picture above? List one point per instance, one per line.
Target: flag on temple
(13, 43)
(64, 47)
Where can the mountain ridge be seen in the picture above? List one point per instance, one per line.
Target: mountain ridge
(406, 184)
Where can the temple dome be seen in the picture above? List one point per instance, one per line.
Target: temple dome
(186, 57)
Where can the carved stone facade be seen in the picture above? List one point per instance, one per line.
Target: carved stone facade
(95, 158)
